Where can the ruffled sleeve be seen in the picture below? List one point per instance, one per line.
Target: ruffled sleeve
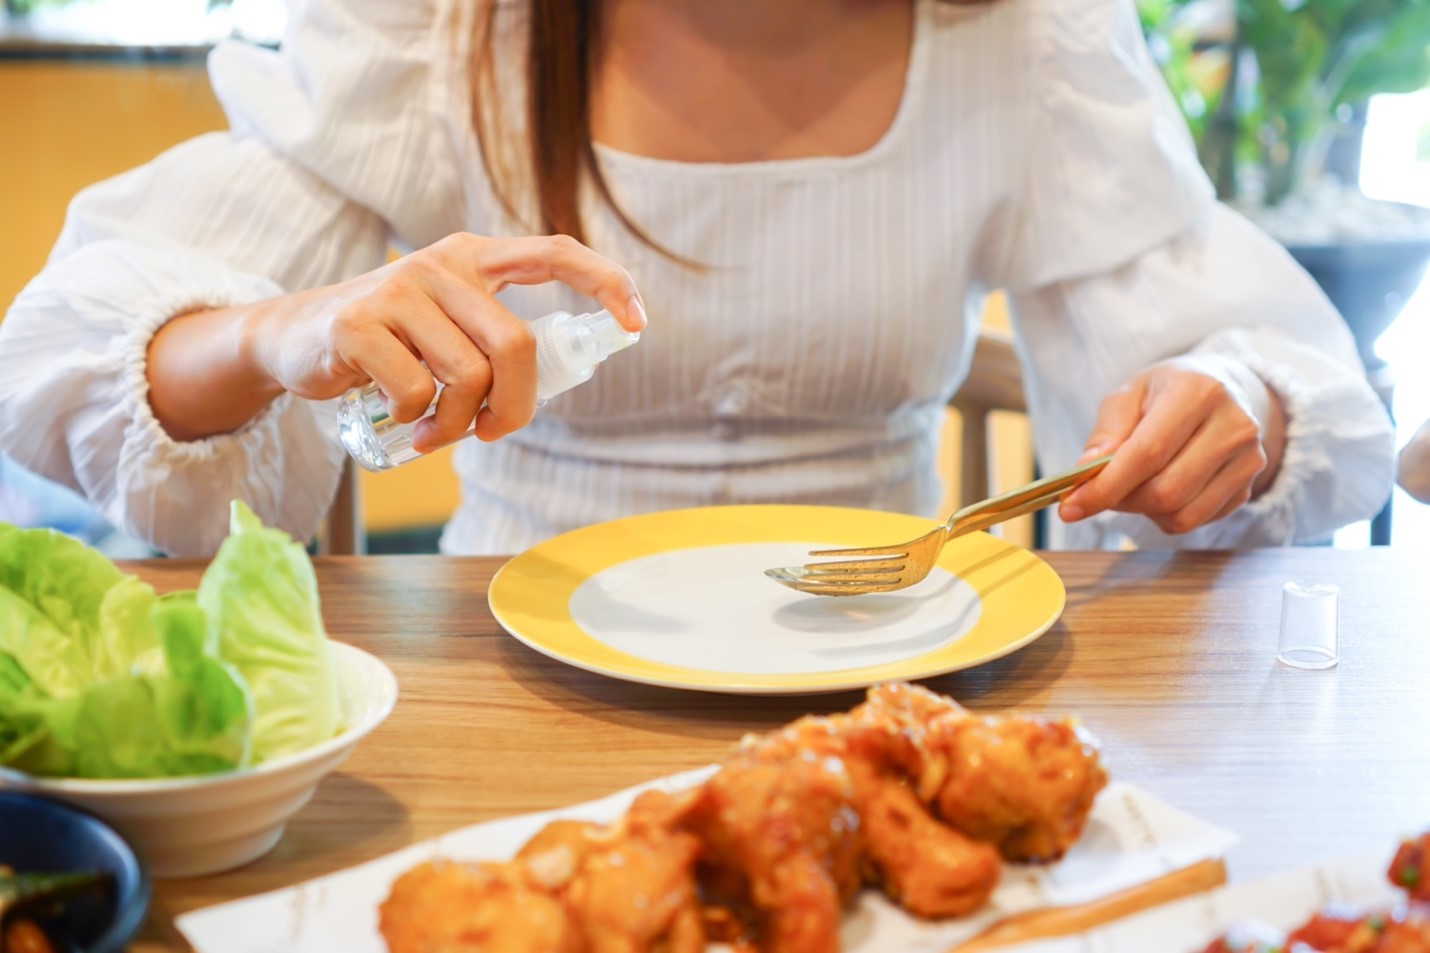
(333, 149)
(1122, 258)
(1107, 147)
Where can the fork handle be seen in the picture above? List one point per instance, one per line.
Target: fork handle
(972, 524)
(1026, 499)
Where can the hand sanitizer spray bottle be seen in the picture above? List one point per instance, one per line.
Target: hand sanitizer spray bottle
(568, 348)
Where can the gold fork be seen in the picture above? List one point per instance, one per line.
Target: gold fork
(887, 568)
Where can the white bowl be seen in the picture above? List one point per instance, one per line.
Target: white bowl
(185, 827)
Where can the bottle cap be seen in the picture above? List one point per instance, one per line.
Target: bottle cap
(568, 348)
(1310, 616)
(598, 336)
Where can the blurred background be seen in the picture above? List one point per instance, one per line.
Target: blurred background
(1311, 116)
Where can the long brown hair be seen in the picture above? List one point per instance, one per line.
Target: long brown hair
(562, 39)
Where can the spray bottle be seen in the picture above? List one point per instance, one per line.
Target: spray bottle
(568, 348)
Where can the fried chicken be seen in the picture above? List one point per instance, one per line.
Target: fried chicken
(445, 907)
(1404, 928)
(908, 792)
(926, 866)
(1407, 869)
(1022, 783)
(1026, 785)
(630, 885)
(782, 846)
(574, 888)
(1396, 931)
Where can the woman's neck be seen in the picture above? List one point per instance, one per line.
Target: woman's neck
(752, 26)
(745, 80)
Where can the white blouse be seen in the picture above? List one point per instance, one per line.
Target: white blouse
(1035, 149)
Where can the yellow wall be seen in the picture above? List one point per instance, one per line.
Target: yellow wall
(66, 125)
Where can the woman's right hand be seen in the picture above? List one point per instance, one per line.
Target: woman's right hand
(435, 307)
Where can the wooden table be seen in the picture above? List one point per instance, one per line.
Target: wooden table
(1169, 658)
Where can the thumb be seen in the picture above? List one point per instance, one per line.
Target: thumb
(1117, 417)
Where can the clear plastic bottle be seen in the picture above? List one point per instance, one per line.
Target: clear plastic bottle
(568, 348)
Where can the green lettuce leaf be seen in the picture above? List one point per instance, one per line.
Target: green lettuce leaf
(67, 614)
(190, 716)
(18, 730)
(102, 678)
(261, 600)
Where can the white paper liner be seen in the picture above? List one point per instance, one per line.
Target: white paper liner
(1131, 838)
(1278, 904)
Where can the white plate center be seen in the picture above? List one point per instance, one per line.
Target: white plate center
(713, 608)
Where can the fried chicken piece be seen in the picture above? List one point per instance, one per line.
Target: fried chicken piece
(924, 865)
(1332, 930)
(909, 791)
(574, 888)
(1023, 783)
(1223, 945)
(1407, 871)
(446, 907)
(1404, 929)
(782, 846)
(1408, 931)
(630, 885)
(911, 706)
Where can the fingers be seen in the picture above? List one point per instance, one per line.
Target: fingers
(389, 334)
(507, 348)
(537, 260)
(1191, 459)
(406, 385)
(1186, 495)
(1168, 420)
(1116, 419)
(426, 336)
(435, 307)
(1221, 458)
(1236, 502)
(465, 373)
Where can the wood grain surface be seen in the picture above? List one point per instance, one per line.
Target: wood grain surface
(1168, 658)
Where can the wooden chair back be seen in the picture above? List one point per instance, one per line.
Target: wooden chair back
(995, 383)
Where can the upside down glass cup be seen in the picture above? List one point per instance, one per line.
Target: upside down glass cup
(1310, 616)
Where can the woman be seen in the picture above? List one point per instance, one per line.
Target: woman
(812, 196)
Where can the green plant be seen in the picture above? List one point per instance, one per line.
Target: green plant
(1288, 73)
(20, 7)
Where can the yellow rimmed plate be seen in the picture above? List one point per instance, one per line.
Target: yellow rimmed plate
(679, 599)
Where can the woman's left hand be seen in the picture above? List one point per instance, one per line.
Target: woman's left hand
(1192, 438)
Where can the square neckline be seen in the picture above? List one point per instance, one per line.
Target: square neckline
(909, 100)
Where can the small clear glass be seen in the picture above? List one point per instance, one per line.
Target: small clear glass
(1310, 617)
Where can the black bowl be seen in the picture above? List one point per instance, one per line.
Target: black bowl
(38, 835)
